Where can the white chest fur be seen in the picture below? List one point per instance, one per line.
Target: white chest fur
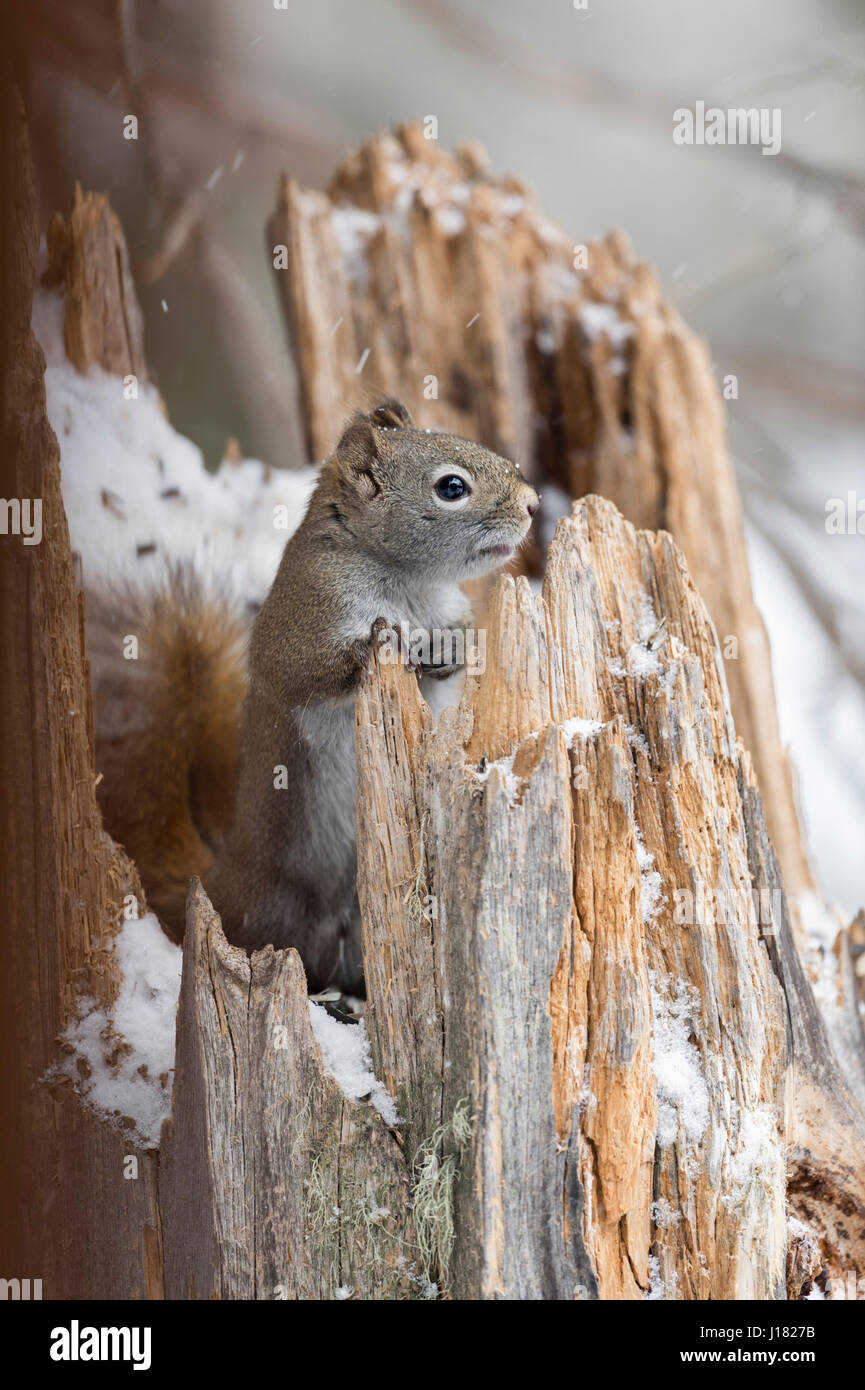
(327, 728)
(424, 606)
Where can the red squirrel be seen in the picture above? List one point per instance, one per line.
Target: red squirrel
(262, 805)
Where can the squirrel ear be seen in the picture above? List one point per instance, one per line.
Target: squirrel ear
(357, 451)
(391, 414)
(357, 457)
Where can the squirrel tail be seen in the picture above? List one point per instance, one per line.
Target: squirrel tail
(169, 676)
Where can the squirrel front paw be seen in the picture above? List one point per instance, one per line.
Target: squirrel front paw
(354, 662)
(388, 641)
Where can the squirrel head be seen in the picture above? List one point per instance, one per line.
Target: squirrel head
(427, 501)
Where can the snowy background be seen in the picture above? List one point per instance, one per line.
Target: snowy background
(763, 255)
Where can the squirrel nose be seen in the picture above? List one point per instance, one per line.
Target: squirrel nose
(532, 507)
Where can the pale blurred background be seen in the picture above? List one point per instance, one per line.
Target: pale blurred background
(763, 255)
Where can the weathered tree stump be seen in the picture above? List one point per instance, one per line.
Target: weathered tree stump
(419, 274)
(584, 992)
(272, 1183)
(572, 876)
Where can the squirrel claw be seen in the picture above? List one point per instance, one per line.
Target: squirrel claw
(441, 673)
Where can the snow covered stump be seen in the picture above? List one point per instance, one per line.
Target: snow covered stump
(600, 1083)
(582, 982)
(597, 1067)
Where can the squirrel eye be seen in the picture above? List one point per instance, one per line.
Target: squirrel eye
(451, 487)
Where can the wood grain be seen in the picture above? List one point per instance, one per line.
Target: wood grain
(272, 1185)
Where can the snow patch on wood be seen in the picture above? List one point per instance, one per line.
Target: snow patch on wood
(683, 1097)
(137, 493)
(121, 1060)
(346, 1056)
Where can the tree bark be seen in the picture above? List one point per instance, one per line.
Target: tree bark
(74, 1218)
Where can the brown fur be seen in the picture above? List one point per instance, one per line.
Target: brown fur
(167, 728)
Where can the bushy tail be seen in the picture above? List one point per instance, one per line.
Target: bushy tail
(169, 677)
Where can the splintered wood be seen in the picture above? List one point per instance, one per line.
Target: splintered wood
(417, 274)
(604, 958)
(103, 321)
(272, 1184)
